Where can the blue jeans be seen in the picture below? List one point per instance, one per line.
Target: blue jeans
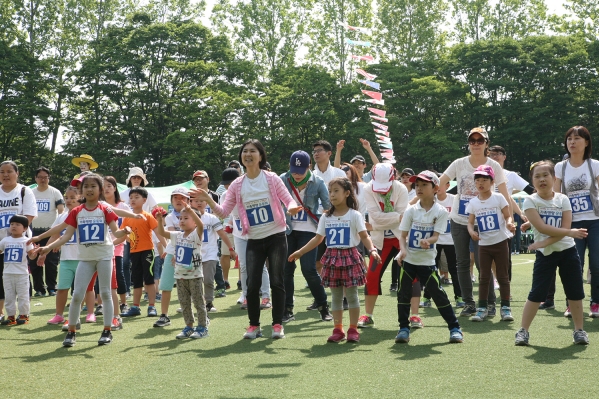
(592, 243)
(295, 241)
(273, 248)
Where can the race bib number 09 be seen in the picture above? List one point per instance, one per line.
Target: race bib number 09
(43, 205)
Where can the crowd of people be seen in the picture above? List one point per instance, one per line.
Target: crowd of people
(345, 225)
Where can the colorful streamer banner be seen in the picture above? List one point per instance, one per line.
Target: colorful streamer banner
(383, 138)
(372, 84)
(373, 94)
(378, 112)
(379, 131)
(354, 28)
(378, 118)
(357, 43)
(365, 74)
(368, 58)
(376, 102)
(382, 127)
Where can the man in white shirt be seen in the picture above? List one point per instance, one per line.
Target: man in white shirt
(50, 204)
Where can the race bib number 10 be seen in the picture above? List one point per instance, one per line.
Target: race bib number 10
(259, 212)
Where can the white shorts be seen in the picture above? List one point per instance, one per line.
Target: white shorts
(224, 249)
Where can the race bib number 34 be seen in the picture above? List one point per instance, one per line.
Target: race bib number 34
(337, 233)
(420, 231)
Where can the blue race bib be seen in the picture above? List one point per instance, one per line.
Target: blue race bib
(420, 231)
(580, 201)
(259, 213)
(205, 236)
(5, 218)
(72, 240)
(464, 200)
(551, 216)
(13, 255)
(488, 221)
(43, 205)
(184, 255)
(301, 216)
(91, 230)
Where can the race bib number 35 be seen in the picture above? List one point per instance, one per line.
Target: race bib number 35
(487, 221)
(581, 201)
(91, 230)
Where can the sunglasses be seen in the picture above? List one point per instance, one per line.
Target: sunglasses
(317, 151)
(478, 141)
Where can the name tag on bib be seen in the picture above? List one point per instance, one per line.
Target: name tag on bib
(581, 201)
(487, 220)
(420, 231)
(464, 200)
(91, 230)
(43, 205)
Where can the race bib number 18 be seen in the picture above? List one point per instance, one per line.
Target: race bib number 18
(487, 221)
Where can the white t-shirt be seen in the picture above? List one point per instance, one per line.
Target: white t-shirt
(462, 170)
(329, 174)
(221, 200)
(10, 205)
(15, 254)
(514, 181)
(47, 201)
(150, 201)
(551, 212)
(445, 238)
(212, 224)
(255, 195)
(411, 194)
(92, 228)
(489, 218)
(172, 222)
(302, 221)
(237, 228)
(342, 231)
(69, 250)
(420, 225)
(578, 185)
(360, 197)
(188, 252)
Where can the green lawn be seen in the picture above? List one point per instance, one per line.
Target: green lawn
(144, 361)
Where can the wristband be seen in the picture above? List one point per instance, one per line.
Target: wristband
(231, 249)
(372, 250)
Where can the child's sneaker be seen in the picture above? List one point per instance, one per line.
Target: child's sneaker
(244, 305)
(158, 297)
(456, 336)
(241, 299)
(426, 303)
(278, 331)
(116, 324)
(337, 336)
(416, 322)
(252, 332)
(546, 305)
(162, 321)
(459, 302)
(65, 326)
(353, 335)
(580, 337)
(90, 318)
(57, 319)
(152, 311)
(325, 314)
(99, 310)
(522, 337)
(220, 293)
(132, 311)
(227, 285)
(210, 307)
(200, 332)
(365, 321)
(506, 313)
(105, 338)
(594, 310)
(403, 336)
(23, 319)
(124, 308)
(481, 314)
(9, 321)
(1, 317)
(469, 310)
(69, 341)
(185, 333)
(567, 313)
(265, 304)
(491, 311)
(288, 315)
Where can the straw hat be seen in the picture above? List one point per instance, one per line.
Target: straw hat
(85, 158)
(136, 171)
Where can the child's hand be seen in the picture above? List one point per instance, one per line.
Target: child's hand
(534, 246)
(375, 255)
(400, 257)
(525, 226)
(294, 256)
(578, 233)
(233, 254)
(424, 244)
(511, 227)
(41, 260)
(294, 211)
(475, 236)
(368, 226)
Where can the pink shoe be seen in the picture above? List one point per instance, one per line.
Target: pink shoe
(265, 304)
(353, 335)
(337, 336)
(90, 318)
(594, 310)
(57, 319)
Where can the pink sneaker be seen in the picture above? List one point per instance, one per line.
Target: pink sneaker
(353, 335)
(337, 336)
(567, 313)
(90, 318)
(278, 331)
(594, 310)
(57, 319)
(265, 304)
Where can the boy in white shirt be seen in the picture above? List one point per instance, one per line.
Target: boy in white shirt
(491, 213)
(16, 271)
(420, 228)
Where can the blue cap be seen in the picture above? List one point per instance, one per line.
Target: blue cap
(299, 162)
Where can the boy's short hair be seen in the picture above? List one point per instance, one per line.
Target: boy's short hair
(139, 190)
(193, 210)
(497, 148)
(22, 219)
(324, 144)
(483, 177)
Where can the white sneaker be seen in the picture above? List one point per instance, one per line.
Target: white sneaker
(241, 299)
(179, 310)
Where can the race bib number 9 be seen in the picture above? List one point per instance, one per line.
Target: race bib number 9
(259, 212)
(420, 231)
(91, 230)
(184, 255)
(487, 221)
(337, 233)
(43, 205)
(5, 218)
(464, 200)
(13, 255)
(581, 201)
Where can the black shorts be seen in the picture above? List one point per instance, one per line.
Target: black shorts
(570, 272)
(321, 248)
(142, 268)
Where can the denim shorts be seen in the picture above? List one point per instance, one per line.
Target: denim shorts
(570, 272)
(66, 274)
(157, 267)
(167, 276)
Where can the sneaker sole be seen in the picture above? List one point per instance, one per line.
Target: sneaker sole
(510, 318)
(120, 327)
(476, 319)
(104, 343)
(402, 340)
(521, 343)
(353, 340)
(335, 341)
(162, 325)
(591, 315)
(456, 340)
(69, 345)
(249, 337)
(415, 327)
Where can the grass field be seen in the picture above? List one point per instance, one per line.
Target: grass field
(144, 361)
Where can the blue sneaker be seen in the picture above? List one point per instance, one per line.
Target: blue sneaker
(456, 336)
(426, 304)
(133, 311)
(459, 302)
(200, 332)
(187, 332)
(491, 311)
(152, 311)
(403, 336)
